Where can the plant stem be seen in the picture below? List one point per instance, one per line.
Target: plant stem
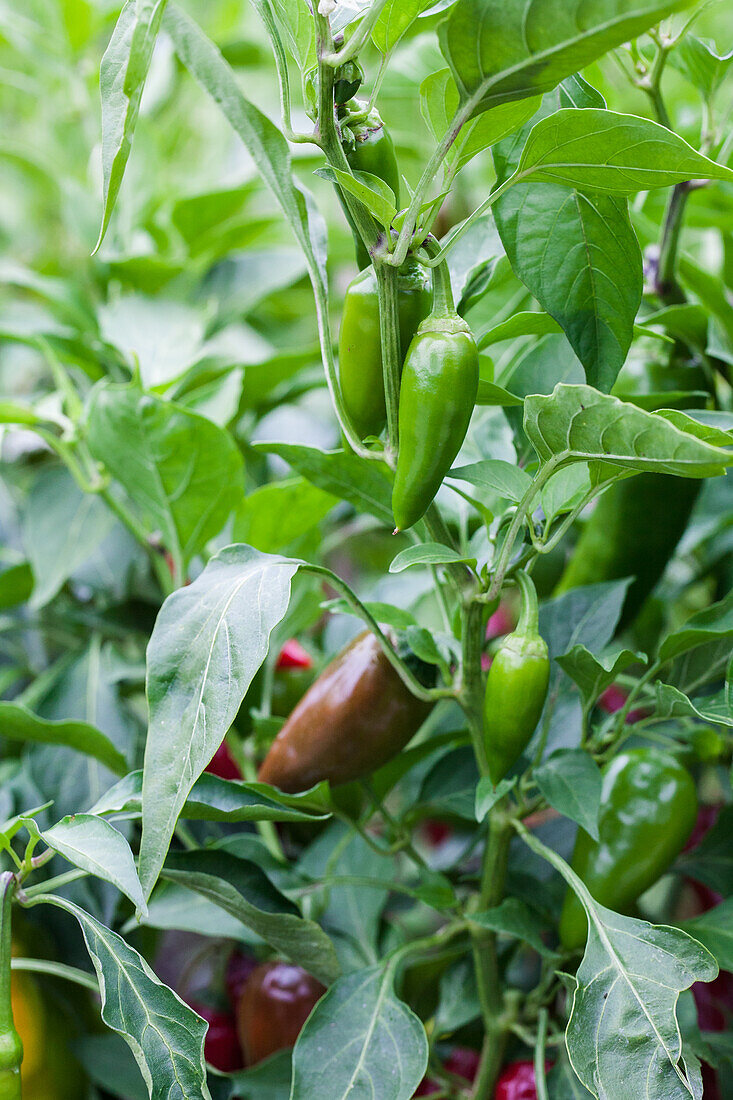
(539, 1056)
(359, 39)
(496, 1021)
(389, 326)
(471, 696)
(57, 970)
(666, 285)
(11, 1048)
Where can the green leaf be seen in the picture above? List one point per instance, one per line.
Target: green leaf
(701, 63)
(215, 799)
(366, 486)
(494, 473)
(121, 81)
(360, 1040)
(183, 473)
(628, 984)
(519, 324)
(714, 623)
(602, 150)
(209, 640)
(487, 795)
(439, 103)
(565, 490)
(16, 585)
(673, 703)
(428, 553)
(501, 50)
(576, 252)
(296, 20)
(594, 674)
(20, 724)
(376, 195)
(714, 930)
(164, 1034)
(514, 918)
(711, 862)
(243, 890)
(579, 424)
(491, 394)
(571, 782)
(62, 529)
(397, 16)
(272, 517)
(93, 844)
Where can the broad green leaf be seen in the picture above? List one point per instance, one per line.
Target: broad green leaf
(164, 1034)
(604, 151)
(93, 844)
(182, 473)
(501, 50)
(562, 1082)
(275, 515)
(711, 862)
(243, 890)
(439, 103)
(519, 324)
(428, 553)
(360, 1040)
(575, 251)
(494, 473)
(701, 63)
(215, 799)
(20, 724)
(565, 490)
(671, 702)
(16, 585)
(695, 424)
(712, 624)
(121, 81)
(579, 424)
(366, 486)
(594, 674)
(514, 918)
(714, 930)
(571, 782)
(628, 984)
(459, 1000)
(397, 16)
(62, 528)
(209, 640)
(384, 613)
(296, 21)
(268, 1080)
(490, 394)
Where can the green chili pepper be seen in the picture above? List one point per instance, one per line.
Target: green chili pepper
(355, 717)
(437, 397)
(516, 687)
(637, 523)
(360, 345)
(368, 148)
(648, 810)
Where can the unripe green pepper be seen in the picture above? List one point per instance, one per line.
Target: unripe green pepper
(348, 78)
(437, 397)
(360, 343)
(368, 148)
(648, 810)
(355, 717)
(637, 523)
(516, 687)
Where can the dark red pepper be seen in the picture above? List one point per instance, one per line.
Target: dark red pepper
(518, 1082)
(221, 1046)
(223, 764)
(275, 1003)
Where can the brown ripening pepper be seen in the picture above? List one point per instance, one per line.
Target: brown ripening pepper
(355, 717)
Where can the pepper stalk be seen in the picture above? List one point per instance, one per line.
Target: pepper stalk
(11, 1047)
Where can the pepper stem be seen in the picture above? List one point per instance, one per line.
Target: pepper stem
(443, 304)
(11, 1047)
(528, 622)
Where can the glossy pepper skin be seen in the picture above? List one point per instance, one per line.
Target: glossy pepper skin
(648, 810)
(360, 344)
(637, 523)
(518, 1082)
(274, 1005)
(355, 717)
(368, 148)
(437, 398)
(516, 687)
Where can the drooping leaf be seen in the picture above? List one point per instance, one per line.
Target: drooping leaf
(360, 1040)
(714, 930)
(714, 622)
(93, 844)
(429, 553)
(571, 782)
(514, 918)
(164, 1034)
(209, 640)
(594, 674)
(500, 50)
(20, 724)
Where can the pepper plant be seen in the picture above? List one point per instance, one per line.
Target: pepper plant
(466, 847)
